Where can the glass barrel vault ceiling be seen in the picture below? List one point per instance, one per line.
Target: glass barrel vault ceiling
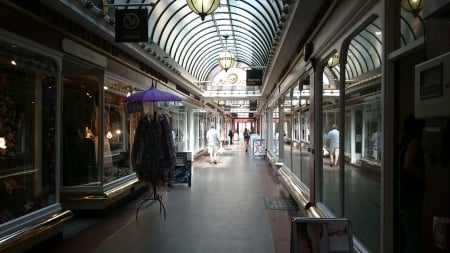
(179, 37)
(251, 26)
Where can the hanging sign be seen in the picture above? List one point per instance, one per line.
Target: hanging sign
(131, 25)
(254, 77)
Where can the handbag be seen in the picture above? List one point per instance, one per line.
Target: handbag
(325, 151)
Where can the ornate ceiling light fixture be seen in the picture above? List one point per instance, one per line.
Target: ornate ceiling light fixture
(226, 58)
(203, 7)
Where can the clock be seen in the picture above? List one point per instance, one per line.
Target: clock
(232, 78)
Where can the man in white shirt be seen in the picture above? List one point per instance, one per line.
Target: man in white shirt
(213, 143)
(333, 145)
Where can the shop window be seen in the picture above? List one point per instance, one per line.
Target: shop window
(177, 113)
(28, 143)
(80, 130)
(200, 129)
(274, 147)
(116, 148)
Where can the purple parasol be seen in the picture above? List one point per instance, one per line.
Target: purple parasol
(134, 102)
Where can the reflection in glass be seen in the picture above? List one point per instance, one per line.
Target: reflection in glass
(275, 130)
(287, 130)
(115, 141)
(330, 174)
(200, 128)
(412, 25)
(177, 113)
(80, 131)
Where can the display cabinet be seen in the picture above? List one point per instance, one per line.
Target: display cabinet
(97, 133)
(29, 143)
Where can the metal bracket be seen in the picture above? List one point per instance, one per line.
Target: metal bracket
(106, 5)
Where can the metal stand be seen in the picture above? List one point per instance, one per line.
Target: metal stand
(155, 197)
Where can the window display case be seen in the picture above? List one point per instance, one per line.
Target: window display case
(115, 143)
(29, 203)
(177, 112)
(96, 132)
(28, 148)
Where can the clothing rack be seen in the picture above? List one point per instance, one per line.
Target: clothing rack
(155, 197)
(151, 157)
(152, 176)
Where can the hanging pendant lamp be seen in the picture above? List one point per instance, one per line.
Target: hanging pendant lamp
(333, 61)
(226, 58)
(413, 6)
(203, 7)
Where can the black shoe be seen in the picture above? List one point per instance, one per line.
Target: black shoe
(215, 162)
(246, 150)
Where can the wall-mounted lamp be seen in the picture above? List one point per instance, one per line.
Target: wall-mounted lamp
(203, 7)
(333, 61)
(226, 59)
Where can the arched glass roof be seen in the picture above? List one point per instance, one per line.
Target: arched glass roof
(364, 52)
(260, 33)
(250, 25)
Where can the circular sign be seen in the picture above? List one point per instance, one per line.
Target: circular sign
(131, 21)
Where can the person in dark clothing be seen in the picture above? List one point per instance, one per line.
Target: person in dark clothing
(246, 138)
(230, 134)
(411, 185)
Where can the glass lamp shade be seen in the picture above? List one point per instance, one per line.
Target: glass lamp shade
(203, 7)
(411, 5)
(226, 60)
(333, 61)
(2, 143)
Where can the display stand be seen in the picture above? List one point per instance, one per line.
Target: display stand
(182, 171)
(259, 148)
(155, 197)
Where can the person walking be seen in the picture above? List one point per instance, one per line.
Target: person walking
(333, 145)
(213, 143)
(246, 138)
(230, 135)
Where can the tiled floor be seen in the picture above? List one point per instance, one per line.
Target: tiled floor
(223, 211)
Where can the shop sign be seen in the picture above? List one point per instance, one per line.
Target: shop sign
(254, 77)
(131, 25)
